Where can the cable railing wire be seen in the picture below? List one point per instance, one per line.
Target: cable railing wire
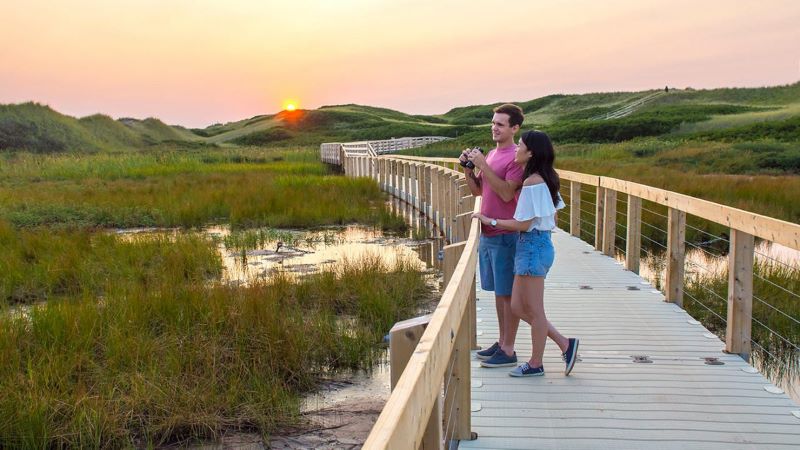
(776, 285)
(789, 266)
(654, 212)
(778, 361)
(654, 227)
(654, 242)
(706, 307)
(714, 293)
(778, 310)
(703, 250)
(707, 233)
(448, 432)
(791, 344)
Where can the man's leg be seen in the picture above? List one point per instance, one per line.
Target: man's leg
(509, 325)
(502, 305)
(504, 282)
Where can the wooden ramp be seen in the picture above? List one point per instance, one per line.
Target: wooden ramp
(609, 401)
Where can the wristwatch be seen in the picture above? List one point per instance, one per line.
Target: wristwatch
(493, 222)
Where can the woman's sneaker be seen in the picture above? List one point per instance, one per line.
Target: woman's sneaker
(525, 370)
(487, 353)
(500, 359)
(571, 355)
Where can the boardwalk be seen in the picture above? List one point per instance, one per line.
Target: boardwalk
(677, 401)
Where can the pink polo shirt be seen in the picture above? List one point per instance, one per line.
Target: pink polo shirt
(501, 161)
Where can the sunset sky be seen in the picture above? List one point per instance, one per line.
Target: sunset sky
(198, 62)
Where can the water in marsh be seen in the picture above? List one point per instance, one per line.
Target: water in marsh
(252, 254)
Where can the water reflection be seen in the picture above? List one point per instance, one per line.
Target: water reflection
(299, 252)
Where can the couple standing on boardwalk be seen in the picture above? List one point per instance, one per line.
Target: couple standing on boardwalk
(520, 198)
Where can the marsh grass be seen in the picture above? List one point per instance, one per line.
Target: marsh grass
(776, 312)
(251, 239)
(245, 188)
(164, 358)
(43, 265)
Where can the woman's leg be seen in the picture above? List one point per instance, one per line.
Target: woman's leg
(520, 309)
(533, 294)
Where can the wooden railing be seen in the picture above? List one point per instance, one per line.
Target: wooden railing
(435, 350)
(332, 153)
(744, 227)
(430, 356)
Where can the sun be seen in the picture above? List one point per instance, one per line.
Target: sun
(290, 105)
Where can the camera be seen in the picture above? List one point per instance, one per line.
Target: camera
(469, 164)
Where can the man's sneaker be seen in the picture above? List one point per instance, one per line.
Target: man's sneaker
(487, 353)
(525, 370)
(571, 355)
(500, 359)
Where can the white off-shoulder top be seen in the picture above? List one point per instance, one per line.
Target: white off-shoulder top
(536, 203)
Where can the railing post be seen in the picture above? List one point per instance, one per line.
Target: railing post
(676, 253)
(403, 339)
(404, 174)
(414, 187)
(381, 173)
(427, 180)
(609, 221)
(393, 176)
(740, 294)
(575, 209)
(449, 205)
(458, 394)
(598, 218)
(633, 242)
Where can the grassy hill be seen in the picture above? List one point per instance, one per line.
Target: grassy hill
(719, 115)
(39, 129)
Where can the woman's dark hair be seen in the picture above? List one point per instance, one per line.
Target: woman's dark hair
(541, 162)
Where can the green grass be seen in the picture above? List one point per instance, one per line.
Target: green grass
(776, 356)
(245, 188)
(167, 358)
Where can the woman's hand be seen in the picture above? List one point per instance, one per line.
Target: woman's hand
(484, 220)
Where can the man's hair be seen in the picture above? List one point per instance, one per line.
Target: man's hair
(515, 115)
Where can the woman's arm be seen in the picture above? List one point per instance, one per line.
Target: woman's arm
(505, 224)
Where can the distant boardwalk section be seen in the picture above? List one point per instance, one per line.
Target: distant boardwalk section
(331, 153)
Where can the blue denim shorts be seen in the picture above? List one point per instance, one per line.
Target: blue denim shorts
(496, 259)
(535, 253)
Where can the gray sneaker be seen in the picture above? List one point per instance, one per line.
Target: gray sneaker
(525, 370)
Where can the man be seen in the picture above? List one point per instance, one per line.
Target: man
(498, 180)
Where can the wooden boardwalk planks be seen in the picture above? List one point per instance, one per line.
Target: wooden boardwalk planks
(609, 401)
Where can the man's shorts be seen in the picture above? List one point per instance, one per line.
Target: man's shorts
(496, 259)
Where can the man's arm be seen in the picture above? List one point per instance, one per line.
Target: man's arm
(505, 189)
(473, 182)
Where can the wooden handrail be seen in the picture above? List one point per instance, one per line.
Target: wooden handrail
(405, 416)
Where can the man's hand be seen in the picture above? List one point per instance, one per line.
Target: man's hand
(464, 155)
(477, 158)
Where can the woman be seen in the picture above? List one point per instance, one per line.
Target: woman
(535, 219)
